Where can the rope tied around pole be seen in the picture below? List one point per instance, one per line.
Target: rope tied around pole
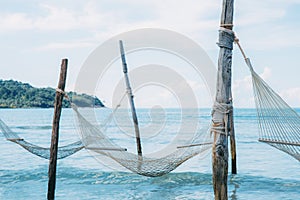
(226, 38)
(227, 26)
(225, 33)
(222, 108)
(63, 93)
(73, 105)
(55, 131)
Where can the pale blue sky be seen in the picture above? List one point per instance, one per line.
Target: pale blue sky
(35, 35)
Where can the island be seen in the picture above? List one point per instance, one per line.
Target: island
(15, 94)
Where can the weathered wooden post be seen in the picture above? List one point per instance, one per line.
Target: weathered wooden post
(222, 111)
(55, 130)
(130, 96)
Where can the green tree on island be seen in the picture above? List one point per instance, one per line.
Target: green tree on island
(14, 94)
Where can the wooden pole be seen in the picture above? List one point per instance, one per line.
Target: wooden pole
(130, 96)
(55, 130)
(221, 117)
(233, 146)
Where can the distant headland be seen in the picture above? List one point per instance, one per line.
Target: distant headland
(15, 94)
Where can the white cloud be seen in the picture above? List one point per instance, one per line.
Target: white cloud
(291, 96)
(261, 25)
(14, 22)
(246, 82)
(198, 19)
(266, 74)
(65, 45)
(265, 25)
(242, 90)
(92, 15)
(55, 18)
(257, 12)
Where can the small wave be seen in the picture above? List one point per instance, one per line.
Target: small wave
(96, 176)
(78, 176)
(124, 185)
(259, 186)
(42, 127)
(15, 176)
(73, 175)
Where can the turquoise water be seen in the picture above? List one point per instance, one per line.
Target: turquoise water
(263, 172)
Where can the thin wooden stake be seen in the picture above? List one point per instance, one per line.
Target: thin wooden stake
(233, 146)
(222, 120)
(130, 96)
(55, 130)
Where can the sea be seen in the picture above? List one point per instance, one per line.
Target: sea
(263, 171)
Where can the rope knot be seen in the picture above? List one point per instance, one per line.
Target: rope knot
(223, 108)
(63, 93)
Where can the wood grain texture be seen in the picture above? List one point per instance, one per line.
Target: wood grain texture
(233, 146)
(55, 130)
(131, 101)
(223, 96)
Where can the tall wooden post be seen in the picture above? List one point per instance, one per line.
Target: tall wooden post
(130, 95)
(55, 130)
(221, 115)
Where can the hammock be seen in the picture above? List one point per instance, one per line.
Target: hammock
(279, 124)
(96, 141)
(63, 151)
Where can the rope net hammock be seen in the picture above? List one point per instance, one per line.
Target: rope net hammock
(98, 143)
(188, 142)
(98, 140)
(279, 124)
(94, 140)
(63, 151)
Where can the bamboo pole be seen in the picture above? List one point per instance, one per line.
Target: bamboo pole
(55, 130)
(130, 96)
(221, 117)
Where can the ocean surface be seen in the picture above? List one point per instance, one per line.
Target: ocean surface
(263, 172)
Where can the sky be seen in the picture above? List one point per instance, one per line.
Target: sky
(35, 35)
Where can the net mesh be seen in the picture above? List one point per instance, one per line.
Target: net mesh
(63, 151)
(279, 124)
(96, 141)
